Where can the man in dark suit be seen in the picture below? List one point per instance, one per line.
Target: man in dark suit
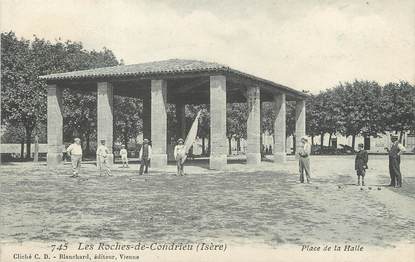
(395, 150)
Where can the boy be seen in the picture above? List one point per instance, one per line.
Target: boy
(360, 164)
(102, 159)
(179, 155)
(124, 156)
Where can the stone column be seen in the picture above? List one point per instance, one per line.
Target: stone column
(159, 123)
(253, 155)
(105, 116)
(181, 120)
(218, 140)
(299, 123)
(147, 116)
(55, 125)
(279, 129)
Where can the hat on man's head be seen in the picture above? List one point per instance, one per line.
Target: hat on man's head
(145, 141)
(180, 140)
(122, 145)
(360, 145)
(394, 137)
(102, 140)
(77, 139)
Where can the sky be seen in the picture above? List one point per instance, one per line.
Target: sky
(308, 45)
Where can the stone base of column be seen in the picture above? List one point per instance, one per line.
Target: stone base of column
(280, 158)
(253, 158)
(218, 162)
(54, 155)
(158, 160)
(54, 159)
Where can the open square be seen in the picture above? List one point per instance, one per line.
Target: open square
(239, 207)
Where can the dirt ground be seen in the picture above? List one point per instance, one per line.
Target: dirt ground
(262, 204)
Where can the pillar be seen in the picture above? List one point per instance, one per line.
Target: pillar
(253, 155)
(181, 120)
(159, 123)
(105, 116)
(55, 125)
(147, 116)
(218, 140)
(299, 123)
(279, 150)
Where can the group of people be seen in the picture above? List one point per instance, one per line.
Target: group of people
(361, 162)
(75, 153)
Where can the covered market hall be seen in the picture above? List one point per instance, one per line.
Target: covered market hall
(179, 82)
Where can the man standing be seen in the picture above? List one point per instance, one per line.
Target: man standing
(145, 157)
(304, 161)
(395, 151)
(75, 152)
(102, 159)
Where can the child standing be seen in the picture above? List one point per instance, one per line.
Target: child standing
(179, 155)
(124, 156)
(360, 164)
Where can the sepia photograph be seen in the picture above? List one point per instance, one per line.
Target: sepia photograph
(207, 130)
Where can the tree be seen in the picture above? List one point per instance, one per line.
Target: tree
(80, 115)
(326, 114)
(24, 95)
(268, 117)
(359, 103)
(128, 118)
(236, 122)
(312, 117)
(399, 107)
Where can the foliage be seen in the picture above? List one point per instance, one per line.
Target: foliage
(24, 95)
(398, 103)
(236, 120)
(128, 121)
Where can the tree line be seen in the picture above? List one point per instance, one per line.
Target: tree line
(363, 108)
(350, 109)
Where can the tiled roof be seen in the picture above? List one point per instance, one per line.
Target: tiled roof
(170, 66)
(157, 67)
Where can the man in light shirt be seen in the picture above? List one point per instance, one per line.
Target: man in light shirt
(304, 160)
(394, 151)
(102, 158)
(75, 152)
